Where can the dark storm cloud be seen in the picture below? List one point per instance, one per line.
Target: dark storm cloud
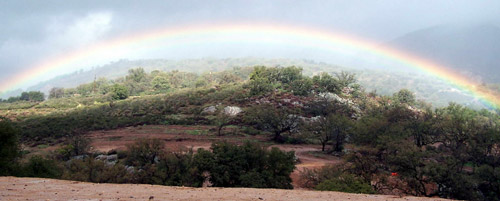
(34, 30)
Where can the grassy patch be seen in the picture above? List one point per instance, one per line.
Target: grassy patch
(318, 154)
(197, 132)
(114, 138)
(42, 146)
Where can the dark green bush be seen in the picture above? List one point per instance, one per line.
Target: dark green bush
(345, 183)
(38, 166)
(248, 165)
(119, 92)
(92, 170)
(179, 169)
(144, 152)
(9, 147)
(76, 145)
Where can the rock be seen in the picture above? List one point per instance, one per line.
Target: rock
(311, 119)
(79, 157)
(232, 110)
(110, 163)
(297, 103)
(101, 157)
(113, 157)
(331, 97)
(109, 160)
(130, 169)
(212, 109)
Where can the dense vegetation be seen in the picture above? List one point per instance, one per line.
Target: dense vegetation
(390, 144)
(384, 82)
(31, 96)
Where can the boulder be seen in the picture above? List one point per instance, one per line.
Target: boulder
(101, 157)
(232, 110)
(113, 157)
(210, 110)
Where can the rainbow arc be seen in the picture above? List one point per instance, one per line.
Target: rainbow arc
(267, 33)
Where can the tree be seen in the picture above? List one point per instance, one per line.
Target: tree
(326, 83)
(319, 128)
(345, 79)
(260, 86)
(334, 127)
(248, 165)
(160, 83)
(422, 128)
(9, 147)
(347, 183)
(405, 96)
(136, 81)
(13, 99)
(227, 77)
(76, 146)
(38, 166)
(136, 75)
(260, 82)
(302, 87)
(144, 152)
(119, 92)
(274, 119)
(222, 119)
(288, 75)
(56, 93)
(341, 127)
(179, 169)
(32, 96)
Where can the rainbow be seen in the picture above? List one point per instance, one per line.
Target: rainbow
(254, 32)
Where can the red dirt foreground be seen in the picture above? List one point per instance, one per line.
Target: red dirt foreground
(12, 188)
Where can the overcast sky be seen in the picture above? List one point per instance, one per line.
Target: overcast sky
(33, 31)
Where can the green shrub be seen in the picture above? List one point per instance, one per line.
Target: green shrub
(38, 166)
(119, 92)
(345, 183)
(77, 145)
(9, 147)
(250, 130)
(248, 165)
(179, 169)
(144, 152)
(91, 170)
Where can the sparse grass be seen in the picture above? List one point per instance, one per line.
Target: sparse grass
(318, 154)
(17, 105)
(197, 132)
(42, 146)
(114, 138)
(170, 131)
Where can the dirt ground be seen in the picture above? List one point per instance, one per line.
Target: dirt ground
(178, 137)
(12, 188)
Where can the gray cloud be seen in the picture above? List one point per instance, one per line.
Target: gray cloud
(35, 30)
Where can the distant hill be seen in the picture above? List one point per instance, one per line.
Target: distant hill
(473, 50)
(384, 82)
(120, 68)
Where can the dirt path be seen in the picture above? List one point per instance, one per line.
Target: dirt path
(178, 137)
(307, 160)
(12, 188)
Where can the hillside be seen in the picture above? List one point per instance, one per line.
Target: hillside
(119, 69)
(471, 49)
(260, 127)
(427, 88)
(50, 189)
